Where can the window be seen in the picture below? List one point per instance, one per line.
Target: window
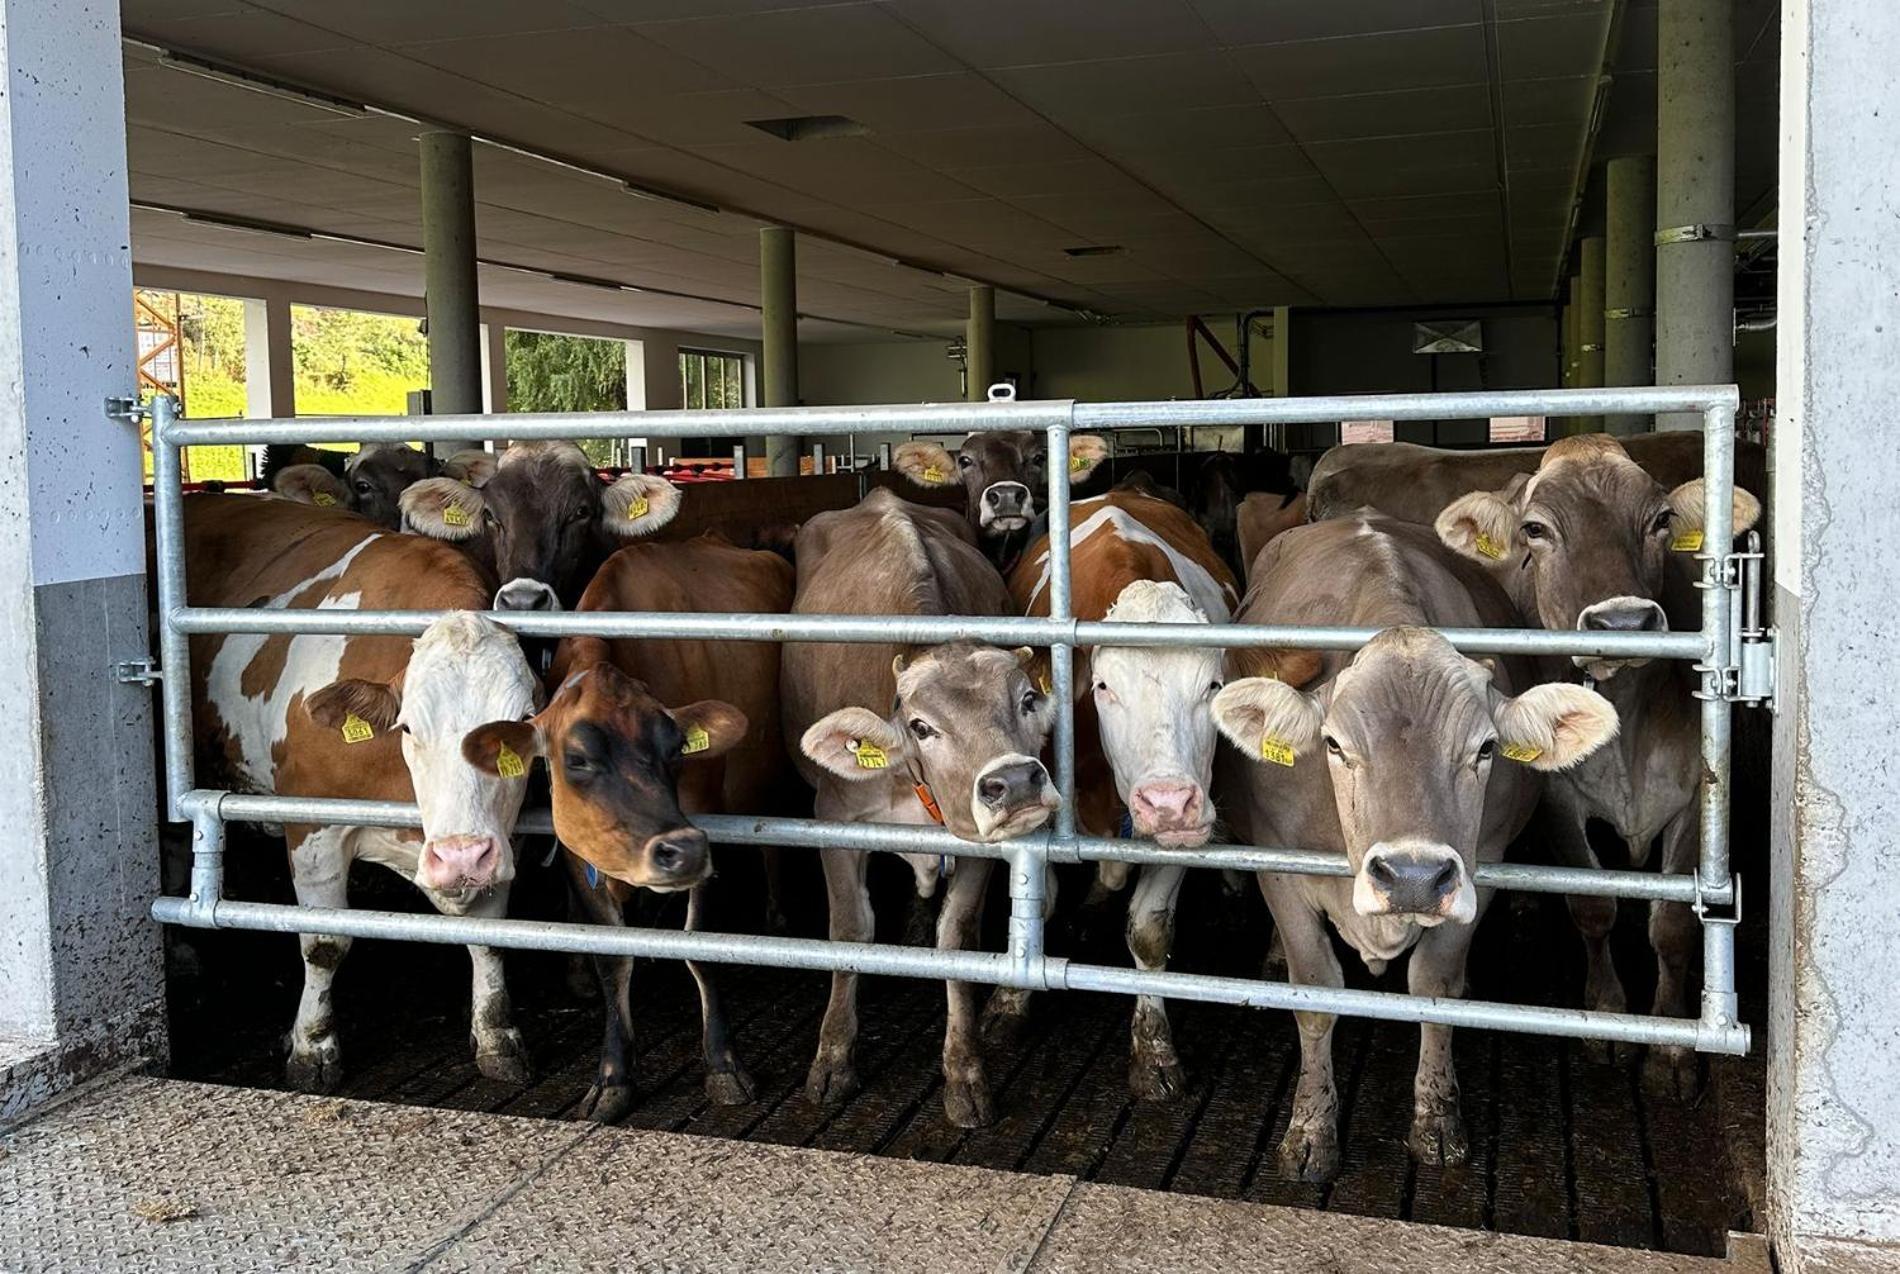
(1365, 431)
(1518, 429)
(711, 379)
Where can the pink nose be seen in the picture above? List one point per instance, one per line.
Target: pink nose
(1165, 806)
(459, 862)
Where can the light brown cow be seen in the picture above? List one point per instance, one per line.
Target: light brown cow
(889, 735)
(1586, 544)
(1263, 515)
(369, 718)
(1408, 758)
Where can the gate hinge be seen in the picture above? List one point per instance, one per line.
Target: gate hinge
(126, 409)
(1751, 643)
(137, 672)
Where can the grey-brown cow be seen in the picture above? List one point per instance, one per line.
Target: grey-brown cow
(1412, 760)
(877, 728)
(1586, 544)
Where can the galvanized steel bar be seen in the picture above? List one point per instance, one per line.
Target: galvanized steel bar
(174, 644)
(1453, 406)
(1720, 1003)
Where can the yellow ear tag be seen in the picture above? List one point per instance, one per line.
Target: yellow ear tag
(455, 515)
(1489, 547)
(1077, 463)
(508, 763)
(357, 730)
(1687, 542)
(1276, 751)
(697, 740)
(637, 507)
(870, 755)
(1520, 752)
(1042, 682)
(323, 499)
(933, 475)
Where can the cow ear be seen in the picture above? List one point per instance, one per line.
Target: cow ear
(442, 509)
(1554, 726)
(504, 749)
(374, 703)
(925, 463)
(710, 728)
(854, 743)
(1482, 526)
(1086, 451)
(1297, 668)
(311, 484)
(1268, 720)
(638, 504)
(1688, 507)
(471, 468)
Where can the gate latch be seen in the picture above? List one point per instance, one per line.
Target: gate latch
(143, 671)
(1752, 644)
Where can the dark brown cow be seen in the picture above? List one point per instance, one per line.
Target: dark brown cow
(369, 481)
(1003, 475)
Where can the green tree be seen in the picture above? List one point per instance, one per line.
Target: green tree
(550, 372)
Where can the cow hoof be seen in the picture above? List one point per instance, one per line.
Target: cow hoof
(1310, 1154)
(605, 1103)
(966, 1103)
(730, 1088)
(318, 1069)
(1672, 1074)
(503, 1057)
(1153, 1080)
(1439, 1138)
(829, 1082)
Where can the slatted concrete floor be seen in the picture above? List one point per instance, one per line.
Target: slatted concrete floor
(1562, 1146)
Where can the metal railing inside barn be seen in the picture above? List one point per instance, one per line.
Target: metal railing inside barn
(1717, 651)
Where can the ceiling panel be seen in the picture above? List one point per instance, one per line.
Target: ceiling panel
(1429, 58)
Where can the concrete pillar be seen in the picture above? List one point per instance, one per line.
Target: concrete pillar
(1833, 1071)
(1695, 197)
(980, 343)
(1589, 326)
(660, 373)
(1629, 295)
(778, 289)
(270, 374)
(452, 292)
(494, 367)
(82, 982)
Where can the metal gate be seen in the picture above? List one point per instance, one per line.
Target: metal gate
(1726, 652)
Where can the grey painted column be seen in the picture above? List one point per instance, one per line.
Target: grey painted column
(980, 343)
(453, 293)
(778, 288)
(494, 367)
(1833, 1070)
(82, 982)
(1589, 325)
(1695, 197)
(1629, 296)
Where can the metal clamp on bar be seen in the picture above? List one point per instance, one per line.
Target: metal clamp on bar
(1705, 902)
(121, 407)
(143, 671)
(1752, 645)
(1694, 234)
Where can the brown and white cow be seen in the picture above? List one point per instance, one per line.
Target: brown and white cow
(744, 775)
(1145, 736)
(1410, 759)
(1003, 475)
(890, 734)
(1586, 544)
(368, 481)
(541, 519)
(369, 718)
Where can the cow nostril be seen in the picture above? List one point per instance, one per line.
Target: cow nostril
(993, 790)
(1382, 873)
(667, 856)
(1632, 619)
(1446, 879)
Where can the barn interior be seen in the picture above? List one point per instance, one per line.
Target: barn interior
(1113, 200)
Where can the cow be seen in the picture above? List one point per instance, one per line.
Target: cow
(1415, 762)
(1586, 544)
(1217, 497)
(541, 519)
(368, 481)
(1144, 733)
(368, 718)
(1263, 515)
(745, 775)
(1003, 475)
(889, 734)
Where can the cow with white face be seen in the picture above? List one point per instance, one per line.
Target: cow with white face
(1145, 734)
(366, 718)
(1412, 761)
(1003, 476)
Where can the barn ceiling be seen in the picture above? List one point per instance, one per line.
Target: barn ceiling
(1137, 159)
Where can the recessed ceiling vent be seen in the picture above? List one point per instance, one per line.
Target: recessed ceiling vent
(1094, 250)
(810, 128)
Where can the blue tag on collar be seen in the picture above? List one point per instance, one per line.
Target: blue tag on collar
(593, 875)
(1128, 826)
(943, 866)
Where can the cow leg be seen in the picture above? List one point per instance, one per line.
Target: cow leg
(1310, 1150)
(833, 1075)
(1594, 918)
(920, 920)
(772, 861)
(499, 1053)
(727, 1083)
(966, 1089)
(612, 1093)
(1154, 1069)
(1670, 1071)
(1008, 1006)
(1438, 969)
(320, 871)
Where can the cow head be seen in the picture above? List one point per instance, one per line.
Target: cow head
(542, 516)
(1157, 729)
(614, 754)
(374, 478)
(1410, 731)
(1587, 538)
(970, 723)
(463, 671)
(1002, 474)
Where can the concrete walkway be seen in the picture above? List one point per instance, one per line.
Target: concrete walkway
(150, 1174)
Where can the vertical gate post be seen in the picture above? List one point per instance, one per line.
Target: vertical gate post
(81, 976)
(1834, 1073)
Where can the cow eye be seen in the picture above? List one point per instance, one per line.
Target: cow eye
(578, 762)
(362, 487)
(1487, 749)
(921, 728)
(1214, 687)
(1661, 525)
(1332, 745)
(580, 515)
(1536, 531)
(1030, 699)
(964, 462)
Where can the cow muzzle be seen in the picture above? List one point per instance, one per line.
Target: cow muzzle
(1012, 795)
(1425, 883)
(460, 864)
(526, 594)
(1170, 812)
(676, 860)
(1005, 507)
(1618, 615)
